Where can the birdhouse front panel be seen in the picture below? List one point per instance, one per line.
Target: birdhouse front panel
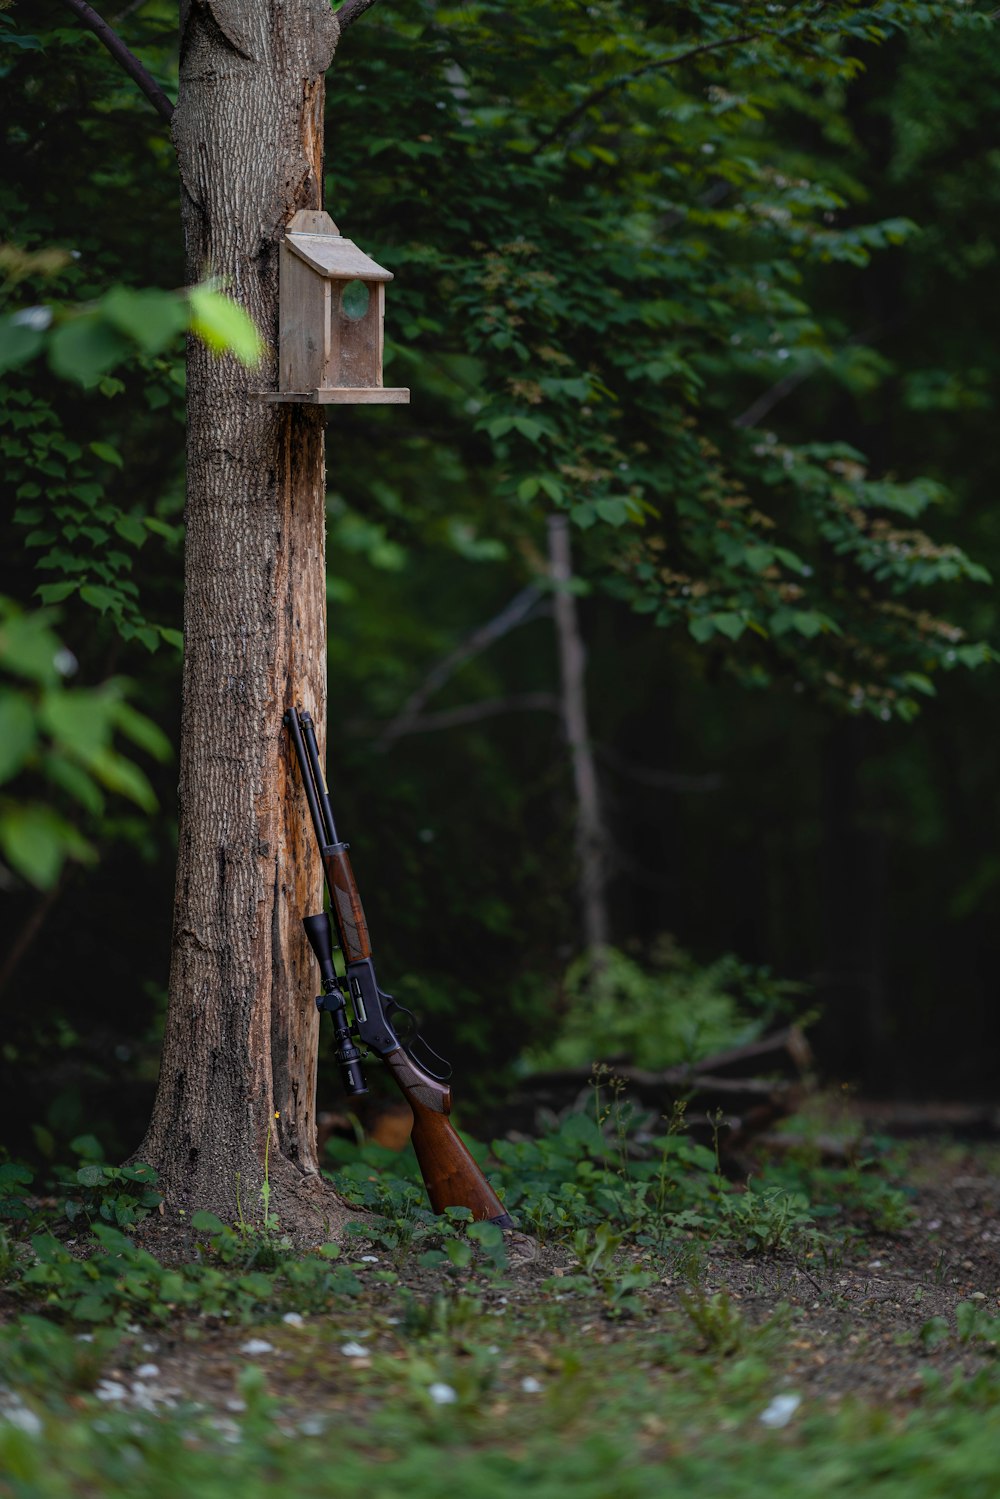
(356, 324)
(331, 317)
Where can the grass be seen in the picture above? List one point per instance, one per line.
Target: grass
(528, 1410)
(413, 1356)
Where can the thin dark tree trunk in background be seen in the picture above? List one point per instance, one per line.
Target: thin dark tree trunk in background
(591, 842)
(241, 1036)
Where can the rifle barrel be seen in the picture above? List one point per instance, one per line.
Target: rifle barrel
(315, 770)
(312, 777)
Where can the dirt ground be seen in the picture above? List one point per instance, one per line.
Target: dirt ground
(855, 1322)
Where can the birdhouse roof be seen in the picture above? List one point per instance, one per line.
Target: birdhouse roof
(336, 258)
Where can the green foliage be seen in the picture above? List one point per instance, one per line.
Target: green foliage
(120, 1282)
(60, 739)
(40, 1355)
(84, 343)
(585, 1433)
(662, 1013)
(866, 1194)
(122, 1195)
(723, 1330)
(15, 1179)
(577, 1179)
(768, 1220)
(599, 1276)
(615, 383)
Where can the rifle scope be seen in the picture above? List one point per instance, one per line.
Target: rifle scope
(346, 1054)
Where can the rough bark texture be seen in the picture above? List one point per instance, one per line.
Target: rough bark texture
(241, 1036)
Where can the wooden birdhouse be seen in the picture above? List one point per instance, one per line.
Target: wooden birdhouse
(331, 310)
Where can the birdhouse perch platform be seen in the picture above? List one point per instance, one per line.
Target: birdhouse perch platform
(331, 311)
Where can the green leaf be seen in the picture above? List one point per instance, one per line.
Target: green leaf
(17, 732)
(54, 593)
(35, 841)
(142, 731)
(731, 625)
(125, 778)
(528, 428)
(18, 342)
(223, 326)
(101, 598)
(74, 780)
(615, 512)
(92, 1308)
(807, 622)
(702, 628)
(153, 319)
(83, 347)
(29, 648)
(207, 1223)
(458, 1252)
(105, 451)
(80, 720)
(132, 529)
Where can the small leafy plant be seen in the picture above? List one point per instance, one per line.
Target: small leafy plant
(122, 1195)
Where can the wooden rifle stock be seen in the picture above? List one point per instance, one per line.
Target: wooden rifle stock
(450, 1174)
(350, 914)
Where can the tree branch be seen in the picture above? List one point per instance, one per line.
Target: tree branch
(517, 612)
(351, 11)
(121, 54)
(453, 718)
(569, 120)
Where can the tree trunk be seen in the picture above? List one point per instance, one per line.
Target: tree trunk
(591, 843)
(241, 1037)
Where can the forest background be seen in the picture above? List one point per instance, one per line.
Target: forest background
(732, 314)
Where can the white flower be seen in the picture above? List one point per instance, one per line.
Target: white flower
(294, 1319)
(531, 1386)
(35, 318)
(24, 1419)
(354, 1350)
(781, 1410)
(442, 1394)
(369, 1259)
(256, 1345)
(147, 1371)
(109, 1389)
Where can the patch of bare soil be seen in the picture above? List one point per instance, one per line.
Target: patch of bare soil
(851, 1323)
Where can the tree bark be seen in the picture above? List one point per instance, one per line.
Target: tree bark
(591, 842)
(241, 1037)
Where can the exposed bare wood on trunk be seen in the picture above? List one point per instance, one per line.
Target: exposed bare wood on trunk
(241, 1035)
(591, 843)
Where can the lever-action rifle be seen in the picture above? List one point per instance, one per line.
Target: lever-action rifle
(450, 1174)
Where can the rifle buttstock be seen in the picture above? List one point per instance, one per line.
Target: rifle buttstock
(450, 1174)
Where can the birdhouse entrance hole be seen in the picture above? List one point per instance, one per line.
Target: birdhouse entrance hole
(355, 300)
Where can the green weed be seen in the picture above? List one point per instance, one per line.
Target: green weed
(768, 1220)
